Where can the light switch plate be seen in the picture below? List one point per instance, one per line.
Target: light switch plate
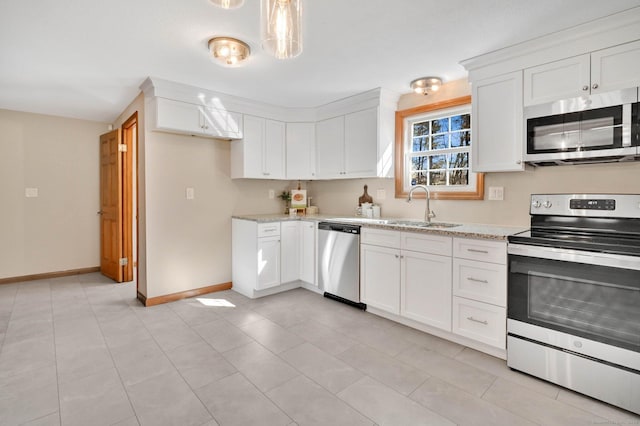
(496, 193)
(190, 193)
(272, 194)
(381, 194)
(31, 192)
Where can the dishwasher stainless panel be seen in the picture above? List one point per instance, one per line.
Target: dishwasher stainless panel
(339, 262)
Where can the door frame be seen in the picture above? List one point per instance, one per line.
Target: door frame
(129, 132)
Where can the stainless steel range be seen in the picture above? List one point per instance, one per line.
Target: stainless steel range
(574, 295)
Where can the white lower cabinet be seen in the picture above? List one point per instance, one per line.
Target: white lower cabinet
(271, 257)
(480, 290)
(425, 288)
(410, 283)
(290, 251)
(380, 277)
(455, 285)
(268, 262)
(308, 252)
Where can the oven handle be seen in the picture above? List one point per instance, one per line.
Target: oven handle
(576, 256)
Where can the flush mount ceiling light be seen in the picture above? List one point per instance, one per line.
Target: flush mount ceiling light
(228, 4)
(424, 85)
(229, 51)
(281, 32)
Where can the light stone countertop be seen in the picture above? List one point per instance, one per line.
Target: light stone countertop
(464, 230)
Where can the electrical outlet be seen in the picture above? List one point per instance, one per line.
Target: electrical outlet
(190, 193)
(381, 194)
(272, 194)
(31, 192)
(496, 193)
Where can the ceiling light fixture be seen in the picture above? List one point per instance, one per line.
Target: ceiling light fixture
(229, 51)
(228, 4)
(280, 27)
(424, 85)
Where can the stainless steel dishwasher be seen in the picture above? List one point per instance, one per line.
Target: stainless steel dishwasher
(339, 262)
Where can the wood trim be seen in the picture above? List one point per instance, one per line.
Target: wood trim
(129, 135)
(183, 294)
(49, 275)
(478, 194)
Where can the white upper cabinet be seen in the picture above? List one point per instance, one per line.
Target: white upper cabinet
(260, 154)
(563, 79)
(598, 72)
(360, 143)
(357, 144)
(183, 117)
(330, 148)
(301, 151)
(497, 124)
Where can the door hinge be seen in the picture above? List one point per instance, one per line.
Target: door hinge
(124, 261)
(122, 147)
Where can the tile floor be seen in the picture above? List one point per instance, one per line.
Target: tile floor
(82, 351)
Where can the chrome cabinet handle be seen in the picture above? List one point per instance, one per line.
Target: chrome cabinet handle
(519, 162)
(478, 321)
(595, 86)
(397, 256)
(585, 87)
(478, 251)
(477, 280)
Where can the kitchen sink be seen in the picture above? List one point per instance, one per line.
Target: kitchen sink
(421, 224)
(397, 222)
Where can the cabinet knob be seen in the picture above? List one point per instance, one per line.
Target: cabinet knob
(595, 86)
(585, 87)
(519, 162)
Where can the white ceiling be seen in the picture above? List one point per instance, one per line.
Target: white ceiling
(87, 58)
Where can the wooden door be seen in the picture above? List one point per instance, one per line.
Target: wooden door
(111, 206)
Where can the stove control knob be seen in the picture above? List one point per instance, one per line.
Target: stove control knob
(536, 204)
(546, 204)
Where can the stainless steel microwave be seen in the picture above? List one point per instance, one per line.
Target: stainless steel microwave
(588, 129)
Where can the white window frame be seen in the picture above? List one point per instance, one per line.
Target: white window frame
(409, 121)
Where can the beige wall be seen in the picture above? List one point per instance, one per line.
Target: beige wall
(58, 230)
(341, 197)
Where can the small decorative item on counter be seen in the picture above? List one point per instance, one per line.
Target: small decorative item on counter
(299, 198)
(365, 198)
(293, 212)
(312, 210)
(286, 197)
(376, 211)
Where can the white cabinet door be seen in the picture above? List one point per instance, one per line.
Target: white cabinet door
(301, 151)
(380, 277)
(250, 149)
(273, 149)
(480, 321)
(290, 251)
(568, 78)
(178, 116)
(268, 262)
(308, 252)
(330, 148)
(426, 289)
(361, 143)
(221, 123)
(497, 123)
(615, 68)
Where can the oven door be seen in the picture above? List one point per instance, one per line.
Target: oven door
(592, 295)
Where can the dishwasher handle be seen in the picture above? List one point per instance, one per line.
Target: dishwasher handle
(339, 227)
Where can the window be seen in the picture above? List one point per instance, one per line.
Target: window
(433, 148)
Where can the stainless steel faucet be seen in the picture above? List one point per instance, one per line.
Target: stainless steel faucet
(428, 214)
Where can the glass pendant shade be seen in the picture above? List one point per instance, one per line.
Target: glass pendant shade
(281, 31)
(228, 4)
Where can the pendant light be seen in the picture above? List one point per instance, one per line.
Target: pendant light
(228, 4)
(280, 27)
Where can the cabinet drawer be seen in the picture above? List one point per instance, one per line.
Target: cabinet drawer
(270, 229)
(486, 282)
(380, 237)
(484, 251)
(480, 321)
(423, 243)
